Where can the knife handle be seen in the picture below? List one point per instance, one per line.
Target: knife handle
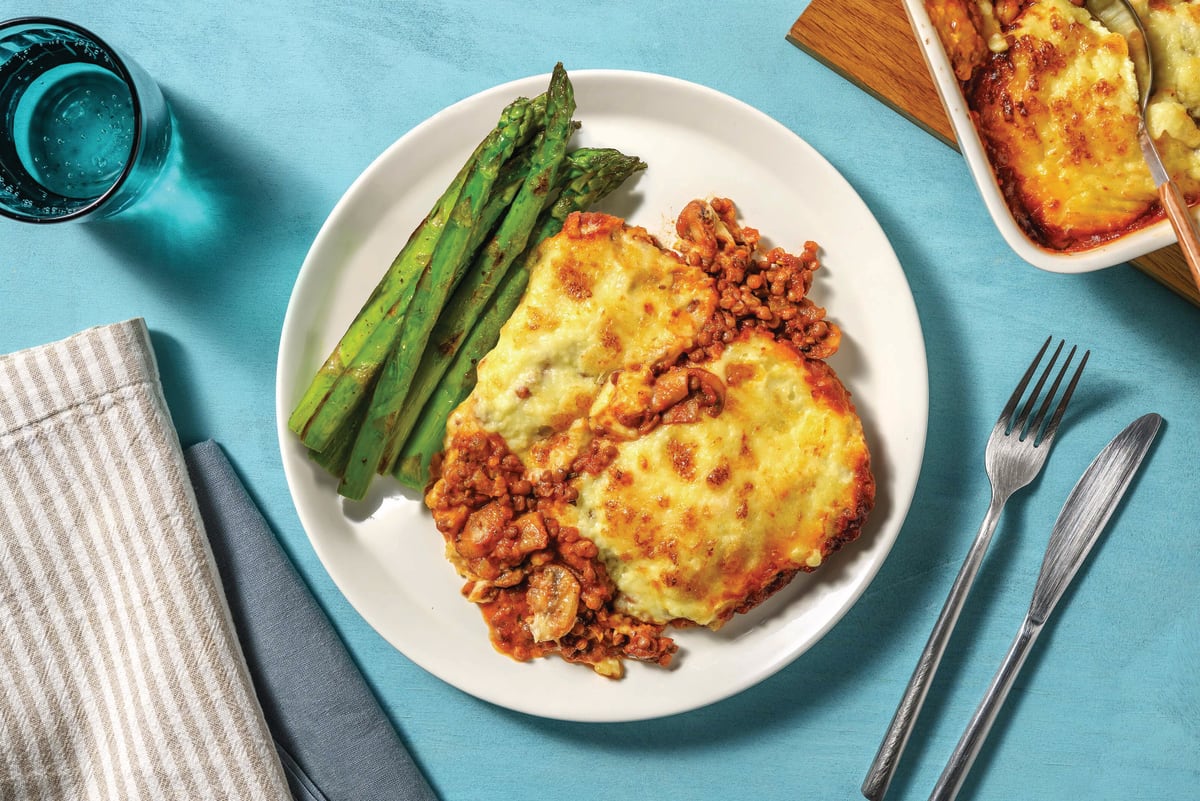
(1184, 223)
(969, 745)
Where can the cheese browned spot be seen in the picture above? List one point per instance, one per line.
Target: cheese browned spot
(651, 442)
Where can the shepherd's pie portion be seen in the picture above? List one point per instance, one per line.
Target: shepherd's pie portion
(655, 440)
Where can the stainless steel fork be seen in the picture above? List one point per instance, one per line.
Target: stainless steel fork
(1015, 453)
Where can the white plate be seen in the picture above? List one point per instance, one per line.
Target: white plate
(1117, 251)
(384, 553)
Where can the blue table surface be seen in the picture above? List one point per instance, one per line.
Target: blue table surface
(283, 104)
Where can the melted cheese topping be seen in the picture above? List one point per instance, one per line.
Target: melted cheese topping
(579, 321)
(1057, 108)
(692, 520)
(960, 28)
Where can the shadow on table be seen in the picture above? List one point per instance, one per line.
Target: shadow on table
(175, 372)
(210, 232)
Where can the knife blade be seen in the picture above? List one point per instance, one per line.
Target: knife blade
(1083, 517)
(1087, 510)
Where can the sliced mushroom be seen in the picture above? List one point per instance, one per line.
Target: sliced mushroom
(669, 389)
(480, 592)
(686, 392)
(510, 577)
(711, 391)
(532, 535)
(624, 404)
(553, 599)
(482, 531)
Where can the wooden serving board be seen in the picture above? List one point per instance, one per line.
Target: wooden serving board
(871, 43)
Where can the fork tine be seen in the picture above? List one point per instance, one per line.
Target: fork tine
(1052, 426)
(1006, 414)
(1021, 425)
(1035, 423)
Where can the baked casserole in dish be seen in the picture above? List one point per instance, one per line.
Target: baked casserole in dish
(1043, 101)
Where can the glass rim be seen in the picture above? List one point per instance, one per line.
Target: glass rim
(126, 75)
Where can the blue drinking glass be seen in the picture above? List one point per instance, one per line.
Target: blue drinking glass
(84, 131)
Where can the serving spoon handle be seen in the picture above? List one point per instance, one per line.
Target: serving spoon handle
(1186, 231)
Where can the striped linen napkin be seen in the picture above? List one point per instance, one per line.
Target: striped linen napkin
(121, 676)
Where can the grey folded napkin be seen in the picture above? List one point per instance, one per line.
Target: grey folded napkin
(335, 741)
(121, 676)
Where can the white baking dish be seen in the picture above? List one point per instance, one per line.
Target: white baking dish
(1117, 251)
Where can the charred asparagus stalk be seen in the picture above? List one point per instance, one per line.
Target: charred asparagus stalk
(356, 380)
(401, 275)
(588, 174)
(446, 268)
(336, 454)
(393, 293)
(368, 404)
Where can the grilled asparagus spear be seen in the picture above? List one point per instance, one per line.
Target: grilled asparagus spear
(446, 268)
(356, 381)
(391, 296)
(588, 174)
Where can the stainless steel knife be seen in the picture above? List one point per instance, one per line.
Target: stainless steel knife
(1082, 519)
